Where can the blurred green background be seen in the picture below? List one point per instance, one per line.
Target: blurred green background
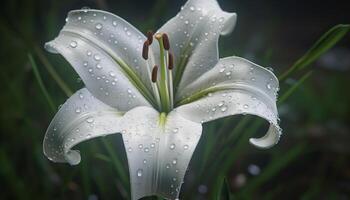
(312, 160)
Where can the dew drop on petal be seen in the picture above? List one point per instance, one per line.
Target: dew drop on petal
(98, 26)
(90, 120)
(224, 109)
(175, 130)
(139, 172)
(185, 146)
(73, 44)
(172, 146)
(77, 110)
(268, 86)
(97, 57)
(174, 162)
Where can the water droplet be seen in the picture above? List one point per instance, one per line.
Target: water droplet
(222, 70)
(245, 106)
(98, 66)
(268, 86)
(90, 120)
(186, 146)
(139, 172)
(144, 161)
(81, 96)
(77, 110)
(172, 146)
(175, 130)
(153, 145)
(140, 146)
(228, 73)
(88, 136)
(114, 23)
(73, 44)
(167, 166)
(174, 162)
(130, 149)
(187, 22)
(97, 57)
(224, 109)
(88, 53)
(146, 150)
(85, 64)
(98, 26)
(253, 79)
(128, 33)
(192, 8)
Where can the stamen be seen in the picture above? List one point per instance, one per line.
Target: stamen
(170, 61)
(166, 41)
(154, 73)
(150, 37)
(145, 50)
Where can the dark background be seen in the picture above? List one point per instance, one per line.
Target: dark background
(312, 160)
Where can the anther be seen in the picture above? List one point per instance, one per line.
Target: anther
(154, 73)
(145, 50)
(150, 37)
(166, 42)
(171, 61)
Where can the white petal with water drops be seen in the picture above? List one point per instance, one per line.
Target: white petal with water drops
(80, 118)
(167, 161)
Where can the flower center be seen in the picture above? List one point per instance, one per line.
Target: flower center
(163, 82)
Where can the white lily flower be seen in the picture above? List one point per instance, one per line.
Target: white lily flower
(156, 91)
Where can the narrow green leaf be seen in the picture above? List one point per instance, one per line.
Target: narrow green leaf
(41, 84)
(274, 167)
(53, 72)
(290, 90)
(116, 163)
(223, 190)
(327, 41)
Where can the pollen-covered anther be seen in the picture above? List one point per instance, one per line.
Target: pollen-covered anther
(145, 50)
(166, 41)
(150, 37)
(170, 61)
(154, 73)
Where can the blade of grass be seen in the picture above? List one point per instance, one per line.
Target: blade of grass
(223, 190)
(275, 166)
(52, 71)
(292, 89)
(322, 45)
(41, 84)
(116, 163)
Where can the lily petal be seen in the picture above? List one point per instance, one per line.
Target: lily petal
(158, 150)
(234, 86)
(80, 118)
(194, 35)
(105, 51)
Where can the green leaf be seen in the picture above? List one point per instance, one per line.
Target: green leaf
(295, 86)
(327, 41)
(223, 190)
(41, 84)
(275, 166)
